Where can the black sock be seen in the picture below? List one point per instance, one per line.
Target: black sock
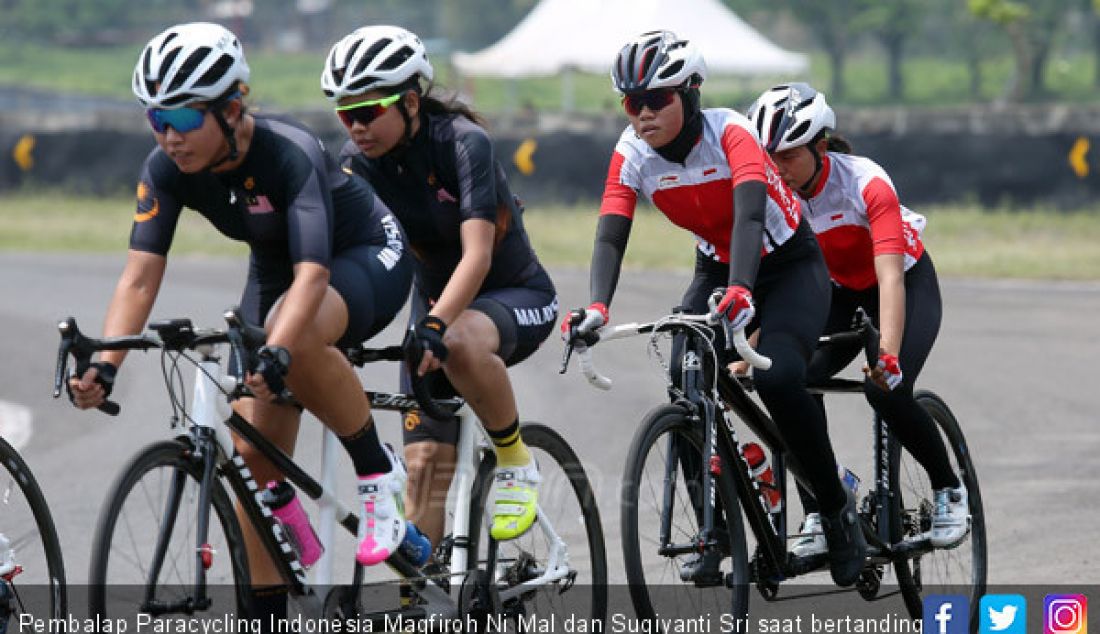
(268, 605)
(505, 437)
(366, 450)
(509, 446)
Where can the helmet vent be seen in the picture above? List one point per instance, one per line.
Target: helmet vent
(805, 103)
(759, 119)
(351, 51)
(361, 83)
(799, 131)
(168, 61)
(673, 68)
(167, 40)
(647, 61)
(186, 68)
(371, 53)
(216, 72)
(773, 129)
(177, 100)
(398, 58)
(337, 73)
(150, 85)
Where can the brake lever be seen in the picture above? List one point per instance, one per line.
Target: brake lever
(565, 356)
(714, 318)
(871, 337)
(73, 342)
(61, 369)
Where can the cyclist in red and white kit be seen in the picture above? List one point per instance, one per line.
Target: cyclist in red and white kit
(707, 172)
(873, 248)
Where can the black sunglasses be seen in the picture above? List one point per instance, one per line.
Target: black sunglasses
(655, 100)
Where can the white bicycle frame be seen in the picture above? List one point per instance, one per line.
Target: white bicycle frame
(209, 408)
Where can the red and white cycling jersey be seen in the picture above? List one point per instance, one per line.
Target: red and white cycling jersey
(856, 215)
(698, 195)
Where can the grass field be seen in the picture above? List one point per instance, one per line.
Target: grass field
(290, 80)
(964, 241)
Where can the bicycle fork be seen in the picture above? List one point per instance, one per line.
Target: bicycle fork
(203, 449)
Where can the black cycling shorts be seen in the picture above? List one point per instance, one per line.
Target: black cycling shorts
(373, 293)
(524, 316)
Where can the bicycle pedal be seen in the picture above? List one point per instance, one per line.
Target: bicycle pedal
(703, 570)
(805, 564)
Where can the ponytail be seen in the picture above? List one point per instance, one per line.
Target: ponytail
(839, 144)
(431, 104)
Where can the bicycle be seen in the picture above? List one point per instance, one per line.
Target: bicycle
(687, 451)
(173, 481)
(32, 571)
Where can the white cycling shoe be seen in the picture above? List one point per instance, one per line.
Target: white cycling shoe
(812, 539)
(950, 517)
(382, 524)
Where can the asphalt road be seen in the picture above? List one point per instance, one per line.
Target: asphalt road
(1015, 360)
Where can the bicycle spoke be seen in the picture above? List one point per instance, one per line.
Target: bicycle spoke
(124, 555)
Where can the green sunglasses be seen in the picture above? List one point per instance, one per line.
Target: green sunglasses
(366, 111)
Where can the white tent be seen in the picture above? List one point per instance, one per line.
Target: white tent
(561, 35)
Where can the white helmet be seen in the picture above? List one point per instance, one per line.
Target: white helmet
(657, 59)
(186, 63)
(790, 115)
(374, 57)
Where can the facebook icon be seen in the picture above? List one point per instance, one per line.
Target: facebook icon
(946, 614)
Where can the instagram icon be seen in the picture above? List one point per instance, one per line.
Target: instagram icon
(1065, 614)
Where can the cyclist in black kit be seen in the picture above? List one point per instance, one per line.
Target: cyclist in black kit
(328, 265)
(483, 301)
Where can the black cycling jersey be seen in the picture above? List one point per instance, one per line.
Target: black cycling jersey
(291, 202)
(288, 200)
(446, 175)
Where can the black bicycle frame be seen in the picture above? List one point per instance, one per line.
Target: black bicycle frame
(691, 381)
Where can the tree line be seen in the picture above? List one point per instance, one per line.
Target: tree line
(971, 30)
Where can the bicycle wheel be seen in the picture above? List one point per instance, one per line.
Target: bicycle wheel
(959, 570)
(32, 571)
(144, 555)
(568, 511)
(668, 434)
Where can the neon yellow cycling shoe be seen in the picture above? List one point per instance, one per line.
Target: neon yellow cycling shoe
(514, 500)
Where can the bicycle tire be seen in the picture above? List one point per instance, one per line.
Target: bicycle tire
(674, 420)
(565, 490)
(136, 505)
(16, 473)
(912, 515)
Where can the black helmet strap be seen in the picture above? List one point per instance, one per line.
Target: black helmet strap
(677, 149)
(804, 188)
(227, 130)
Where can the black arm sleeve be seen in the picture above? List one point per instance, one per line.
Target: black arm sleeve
(749, 199)
(612, 234)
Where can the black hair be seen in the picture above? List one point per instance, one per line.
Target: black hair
(432, 104)
(839, 144)
(236, 91)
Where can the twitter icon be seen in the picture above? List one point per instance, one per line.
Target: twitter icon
(1003, 614)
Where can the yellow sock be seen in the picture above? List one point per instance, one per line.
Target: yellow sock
(511, 452)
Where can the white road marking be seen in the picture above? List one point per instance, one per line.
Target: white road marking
(15, 424)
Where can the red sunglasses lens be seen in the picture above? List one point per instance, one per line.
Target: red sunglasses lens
(362, 114)
(653, 99)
